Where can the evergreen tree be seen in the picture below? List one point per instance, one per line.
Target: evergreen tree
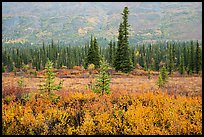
(160, 82)
(170, 59)
(133, 57)
(157, 61)
(141, 58)
(191, 61)
(118, 57)
(110, 58)
(103, 80)
(163, 77)
(93, 54)
(181, 65)
(114, 52)
(123, 61)
(173, 52)
(90, 55)
(185, 54)
(96, 54)
(164, 74)
(48, 85)
(198, 60)
(148, 56)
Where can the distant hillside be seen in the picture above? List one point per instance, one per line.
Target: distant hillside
(75, 22)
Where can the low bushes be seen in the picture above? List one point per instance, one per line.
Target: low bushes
(88, 113)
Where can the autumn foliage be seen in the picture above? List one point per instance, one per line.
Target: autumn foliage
(87, 113)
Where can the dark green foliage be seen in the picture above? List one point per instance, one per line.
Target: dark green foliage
(181, 66)
(118, 57)
(170, 59)
(93, 53)
(198, 59)
(114, 52)
(103, 80)
(133, 58)
(185, 55)
(147, 56)
(191, 60)
(96, 51)
(122, 60)
(110, 57)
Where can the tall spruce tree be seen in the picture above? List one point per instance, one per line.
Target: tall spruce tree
(90, 54)
(181, 65)
(123, 61)
(198, 60)
(96, 53)
(133, 57)
(110, 57)
(185, 55)
(93, 53)
(191, 62)
(118, 54)
(114, 52)
(170, 59)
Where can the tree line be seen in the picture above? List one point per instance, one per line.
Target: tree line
(179, 56)
(182, 56)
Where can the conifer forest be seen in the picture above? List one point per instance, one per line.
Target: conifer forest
(121, 85)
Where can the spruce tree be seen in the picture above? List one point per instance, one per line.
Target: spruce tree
(198, 60)
(163, 77)
(48, 85)
(103, 80)
(114, 52)
(96, 53)
(170, 59)
(164, 74)
(185, 55)
(110, 57)
(181, 65)
(93, 53)
(90, 54)
(123, 61)
(160, 82)
(133, 57)
(191, 62)
(118, 56)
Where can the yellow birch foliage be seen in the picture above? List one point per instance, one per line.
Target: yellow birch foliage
(86, 113)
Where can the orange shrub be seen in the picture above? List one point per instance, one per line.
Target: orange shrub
(86, 113)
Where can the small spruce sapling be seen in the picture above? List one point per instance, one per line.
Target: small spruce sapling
(163, 77)
(103, 80)
(48, 85)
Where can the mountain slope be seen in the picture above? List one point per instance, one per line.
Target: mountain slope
(74, 22)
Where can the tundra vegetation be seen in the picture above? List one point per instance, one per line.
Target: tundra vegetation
(120, 89)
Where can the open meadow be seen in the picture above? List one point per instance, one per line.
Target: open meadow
(135, 106)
